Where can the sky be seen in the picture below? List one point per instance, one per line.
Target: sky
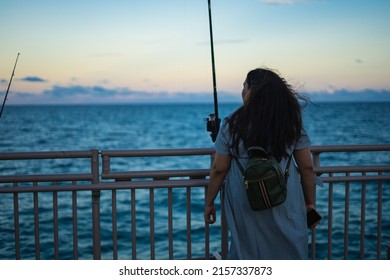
(146, 50)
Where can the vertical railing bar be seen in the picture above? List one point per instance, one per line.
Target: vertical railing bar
(330, 218)
(188, 222)
(170, 224)
(75, 226)
(224, 226)
(316, 163)
(313, 244)
(95, 205)
(36, 224)
(114, 226)
(152, 239)
(55, 224)
(379, 218)
(346, 217)
(95, 166)
(363, 218)
(106, 164)
(206, 233)
(96, 224)
(313, 231)
(16, 223)
(133, 226)
(207, 227)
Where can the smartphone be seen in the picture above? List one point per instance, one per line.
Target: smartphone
(312, 217)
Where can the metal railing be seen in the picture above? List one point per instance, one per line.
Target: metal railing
(343, 177)
(186, 181)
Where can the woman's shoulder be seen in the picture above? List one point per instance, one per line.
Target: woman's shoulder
(303, 141)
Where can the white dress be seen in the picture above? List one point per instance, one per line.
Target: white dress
(276, 233)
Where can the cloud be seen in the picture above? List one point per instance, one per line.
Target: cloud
(358, 60)
(78, 94)
(78, 91)
(105, 81)
(3, 81)
(96, 94)
(33, 79)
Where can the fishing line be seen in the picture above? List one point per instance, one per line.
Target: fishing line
(9, 85)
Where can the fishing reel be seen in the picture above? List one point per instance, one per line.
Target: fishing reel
(212, 125)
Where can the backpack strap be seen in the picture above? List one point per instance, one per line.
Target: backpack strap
(286, 172)
(239, 165)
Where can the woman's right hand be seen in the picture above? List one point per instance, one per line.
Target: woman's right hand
(209, 214)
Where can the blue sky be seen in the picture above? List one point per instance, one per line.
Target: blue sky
(129, 50)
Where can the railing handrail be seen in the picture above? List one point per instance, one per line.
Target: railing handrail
(352, 169)
(157, 152)
(122, 185)
(157, 174)
(46, 178)
(350, 148)
(46, 155)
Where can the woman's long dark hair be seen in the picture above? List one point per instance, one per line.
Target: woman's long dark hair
(271, 117)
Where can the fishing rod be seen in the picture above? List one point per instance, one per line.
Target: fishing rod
(213, 121)
(9, 85)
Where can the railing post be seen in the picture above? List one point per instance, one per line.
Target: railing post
(95, 206)
(316, 160)
(106, 164)
(224, 227)
(316, 163)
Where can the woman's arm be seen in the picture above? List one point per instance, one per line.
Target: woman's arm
(219, 169)
(305, 168)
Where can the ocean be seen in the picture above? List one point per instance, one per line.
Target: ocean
(27, 128)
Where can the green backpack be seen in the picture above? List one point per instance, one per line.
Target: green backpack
(265, 183)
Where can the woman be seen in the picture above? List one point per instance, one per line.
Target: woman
(270, 117)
